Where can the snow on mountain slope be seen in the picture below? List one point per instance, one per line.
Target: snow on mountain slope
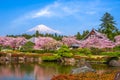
(43, 29)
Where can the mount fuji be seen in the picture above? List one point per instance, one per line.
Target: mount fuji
(43, 29)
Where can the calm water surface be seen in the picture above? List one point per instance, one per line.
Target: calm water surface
(26, 71)
(43, 71)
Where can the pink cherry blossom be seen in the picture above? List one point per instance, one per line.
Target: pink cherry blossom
(117, 40)
(70, 40)
(12, 42)
(46, 43)
(97, 43)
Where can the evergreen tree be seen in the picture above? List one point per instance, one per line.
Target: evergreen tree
(36, 33)
(55, 35)
(108, 26)
(27, 36)
(78, 36)
(84, 34)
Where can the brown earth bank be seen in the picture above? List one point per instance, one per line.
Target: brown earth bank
(98, 75)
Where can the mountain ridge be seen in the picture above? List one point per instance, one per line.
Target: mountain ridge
(43, 29)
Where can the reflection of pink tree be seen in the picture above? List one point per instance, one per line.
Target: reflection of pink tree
(98, 43)
(46, 43)
(5, 71)
(117, 40)
(70, 40)
(44, 73)
(39, 73)
(8, 72)
(12, 42)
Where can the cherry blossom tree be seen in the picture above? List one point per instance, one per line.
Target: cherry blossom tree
(46, 43)
(70, 40)
(97, 43)
(14, 43)
(17, 42)
(117, 40)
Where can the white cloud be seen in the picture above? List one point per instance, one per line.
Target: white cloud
(61, 9)
(43, 12)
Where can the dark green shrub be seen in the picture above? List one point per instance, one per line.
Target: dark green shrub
(64, 51)
(85, 51)
(28, 46)
(39, 51)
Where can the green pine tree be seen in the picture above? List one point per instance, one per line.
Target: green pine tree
(78, 36)
(84, 33)
(36, 33)
(108, 26)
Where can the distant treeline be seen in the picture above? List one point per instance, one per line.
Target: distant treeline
(54, 36)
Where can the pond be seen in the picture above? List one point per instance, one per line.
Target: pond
(42, 71)
(34, 71)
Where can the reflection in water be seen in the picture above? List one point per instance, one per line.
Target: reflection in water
(42, 71)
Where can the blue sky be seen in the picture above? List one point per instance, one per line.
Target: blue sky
(66, 16)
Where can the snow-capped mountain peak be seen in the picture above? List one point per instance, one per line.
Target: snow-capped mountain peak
(43, 29)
